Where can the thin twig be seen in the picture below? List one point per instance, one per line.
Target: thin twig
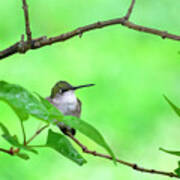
(28, 31)
(37, 133)
(132, 165)
(7, 151)
(23, 132)
(130, 10)
(13, 151)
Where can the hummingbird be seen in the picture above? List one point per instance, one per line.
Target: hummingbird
(63, 98)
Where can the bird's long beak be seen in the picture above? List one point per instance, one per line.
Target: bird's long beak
(82, 86)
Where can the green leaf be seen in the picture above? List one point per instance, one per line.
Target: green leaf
(25, 104)
(61, 144)
(22, 102)
(177, 153)
(177, 170)
(175, 108)
(89, 131)
(54, 113)
(22, 156)
(4, 129)
(78, 124)
(13, 140)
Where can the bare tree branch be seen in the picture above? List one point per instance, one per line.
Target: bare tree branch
(18, 47)
(28, 31)
(132, 165)
(130, 10)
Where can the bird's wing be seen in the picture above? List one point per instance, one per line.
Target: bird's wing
(79, 108)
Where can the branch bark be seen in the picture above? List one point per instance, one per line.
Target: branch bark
(7, 151)
(130, 10)
(26, 15)
(40, 42)
(132, 165)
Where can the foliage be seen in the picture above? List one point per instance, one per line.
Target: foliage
(25, 104)
(176, 153)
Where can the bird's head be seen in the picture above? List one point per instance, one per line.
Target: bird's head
(62, 86)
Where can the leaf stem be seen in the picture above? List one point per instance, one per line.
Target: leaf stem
(37, 133)
(38, 146)
(23, 132)
(132, 165)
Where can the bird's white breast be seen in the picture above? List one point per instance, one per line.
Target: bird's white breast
(66, 102)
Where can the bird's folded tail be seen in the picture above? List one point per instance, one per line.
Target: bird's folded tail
(66, 129)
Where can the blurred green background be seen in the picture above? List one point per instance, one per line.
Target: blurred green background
(131, 70)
